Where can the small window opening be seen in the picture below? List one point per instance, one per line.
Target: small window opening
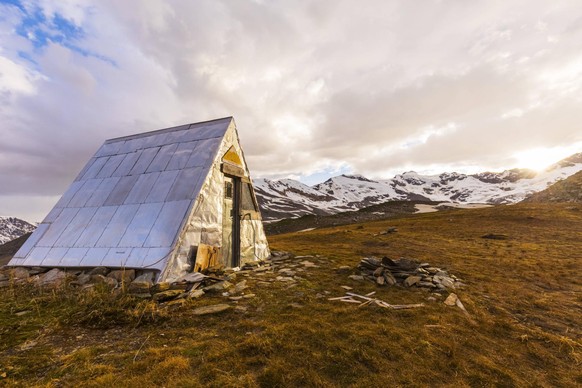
(248, 201)
(228, 190)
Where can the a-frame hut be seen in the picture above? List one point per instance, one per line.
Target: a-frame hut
(173, 200)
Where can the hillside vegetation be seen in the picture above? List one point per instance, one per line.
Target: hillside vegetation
(522, 295)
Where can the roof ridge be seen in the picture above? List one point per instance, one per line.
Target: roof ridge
(163, 130)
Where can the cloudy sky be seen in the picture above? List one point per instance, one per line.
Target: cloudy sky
(317, 88)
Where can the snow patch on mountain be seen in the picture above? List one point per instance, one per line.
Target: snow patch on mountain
(12, 227)
(289, 198)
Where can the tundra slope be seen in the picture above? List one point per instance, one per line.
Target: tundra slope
(288, 198)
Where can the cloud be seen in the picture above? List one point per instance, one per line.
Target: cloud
(319, 86)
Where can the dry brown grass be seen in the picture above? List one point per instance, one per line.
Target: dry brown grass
(523, 294)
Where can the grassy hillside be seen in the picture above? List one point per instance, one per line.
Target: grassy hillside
(7, 250)
(522, 295)
(567, 190)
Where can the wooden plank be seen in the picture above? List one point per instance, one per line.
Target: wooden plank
(206, 256)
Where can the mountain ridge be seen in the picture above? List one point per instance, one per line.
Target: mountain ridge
(288, 198)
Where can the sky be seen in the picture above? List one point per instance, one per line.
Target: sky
(317, 88)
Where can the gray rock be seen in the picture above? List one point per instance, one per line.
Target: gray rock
(358, 278)
(412, 280)
(166, 295)
(378, 272)
(37, 270)
(240, 286)
(100, 279)
(451, 299)
(389, 279)
(212, 309)
(194, 277)
(19, 273)
(218, 287)
(425, 284)
(380, 280)
(53, 278)
(195, 294)
(83, 279)
(122, 275)
(99, 271)
(284, 279)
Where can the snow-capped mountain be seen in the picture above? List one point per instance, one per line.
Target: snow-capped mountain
(12, 227)
(288, 198)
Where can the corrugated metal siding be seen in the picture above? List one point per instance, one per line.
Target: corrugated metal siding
(127, 204)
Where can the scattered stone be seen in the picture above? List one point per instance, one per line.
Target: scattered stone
(37, 270)
(378, 272)
(241, 309)
(218, 287)
(406, 272)
(249, 296)
(284, 279)
(160, 287)
(83, 279)
(495, 236)
(176, 303)
(142, 283)
(240, 286)
(347, 288)
(235, 298)
(28, 344)
(21, 313)
(195, 294)
(451, 299)
(194, 277)
(431, 299)
(100, 279)
(412, 280)
(212, 309)
(358, 278)
(99, 271)
(166, 295)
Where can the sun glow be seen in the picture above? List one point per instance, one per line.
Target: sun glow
(539, 159)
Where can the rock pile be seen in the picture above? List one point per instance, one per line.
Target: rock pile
(405, 272)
